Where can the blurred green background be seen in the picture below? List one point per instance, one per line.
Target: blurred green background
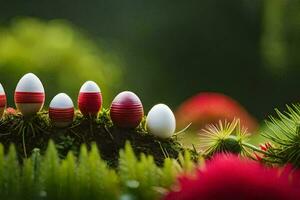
(165, 51)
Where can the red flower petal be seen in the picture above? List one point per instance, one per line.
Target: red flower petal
(229, 177)
(206, 108)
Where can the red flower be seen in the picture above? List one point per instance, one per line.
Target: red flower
(263, 147)
(229, 177)
(206, 108)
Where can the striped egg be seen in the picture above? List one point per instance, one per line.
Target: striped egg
(89, 99)
(29, 95)
(2, 100)
(61, 110)
(126, 110)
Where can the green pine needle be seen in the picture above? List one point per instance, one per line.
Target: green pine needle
(284, 132)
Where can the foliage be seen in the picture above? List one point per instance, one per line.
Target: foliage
(142, 177)
(284, 133)
(281, 19)
(93, 159)
(86, 177)
(59, 54)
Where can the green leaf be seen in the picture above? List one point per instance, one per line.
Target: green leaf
(169, 172)
(68, 177)
(28, 185)
(139, 178)
(186, 162)
(2, 172)
(50, 173)
(12, 174)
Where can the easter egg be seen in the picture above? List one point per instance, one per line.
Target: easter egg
(126, 110)
(61, 110)
(29, 95)
(2, 100)
(89, 98)
(161, 121)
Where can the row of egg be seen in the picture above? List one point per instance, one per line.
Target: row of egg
(126, 109)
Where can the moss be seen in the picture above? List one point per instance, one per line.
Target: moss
(37, 131)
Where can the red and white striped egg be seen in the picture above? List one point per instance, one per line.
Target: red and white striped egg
(126, 110)
(61, 110)
(2, 100)
(29, 95)
(89, 99)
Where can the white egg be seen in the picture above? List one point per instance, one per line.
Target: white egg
(29, 95)
(90, 86)
(161, 121)
(30, 83)
(1, 90)
(61, 101)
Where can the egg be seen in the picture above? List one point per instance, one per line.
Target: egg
(2, 100)
(61, 110)
(126, 110)
(89, 99)
(161, 121)
(29, 95)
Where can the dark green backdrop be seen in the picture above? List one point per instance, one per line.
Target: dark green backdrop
(174, 49)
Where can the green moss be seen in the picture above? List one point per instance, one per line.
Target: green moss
(27, 135)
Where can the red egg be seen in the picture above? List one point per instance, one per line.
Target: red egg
(126, 110)
(2, 100)
(61, 110)
(89, 99)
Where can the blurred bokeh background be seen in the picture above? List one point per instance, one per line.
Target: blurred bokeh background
(165, 51)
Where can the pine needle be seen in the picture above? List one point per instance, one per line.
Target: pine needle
(283, 132)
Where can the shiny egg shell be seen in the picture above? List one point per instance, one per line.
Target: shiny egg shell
(126, 110)
(61, 110)
(29, 95)
(89, 98)
(2, 100)
(161, 121)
